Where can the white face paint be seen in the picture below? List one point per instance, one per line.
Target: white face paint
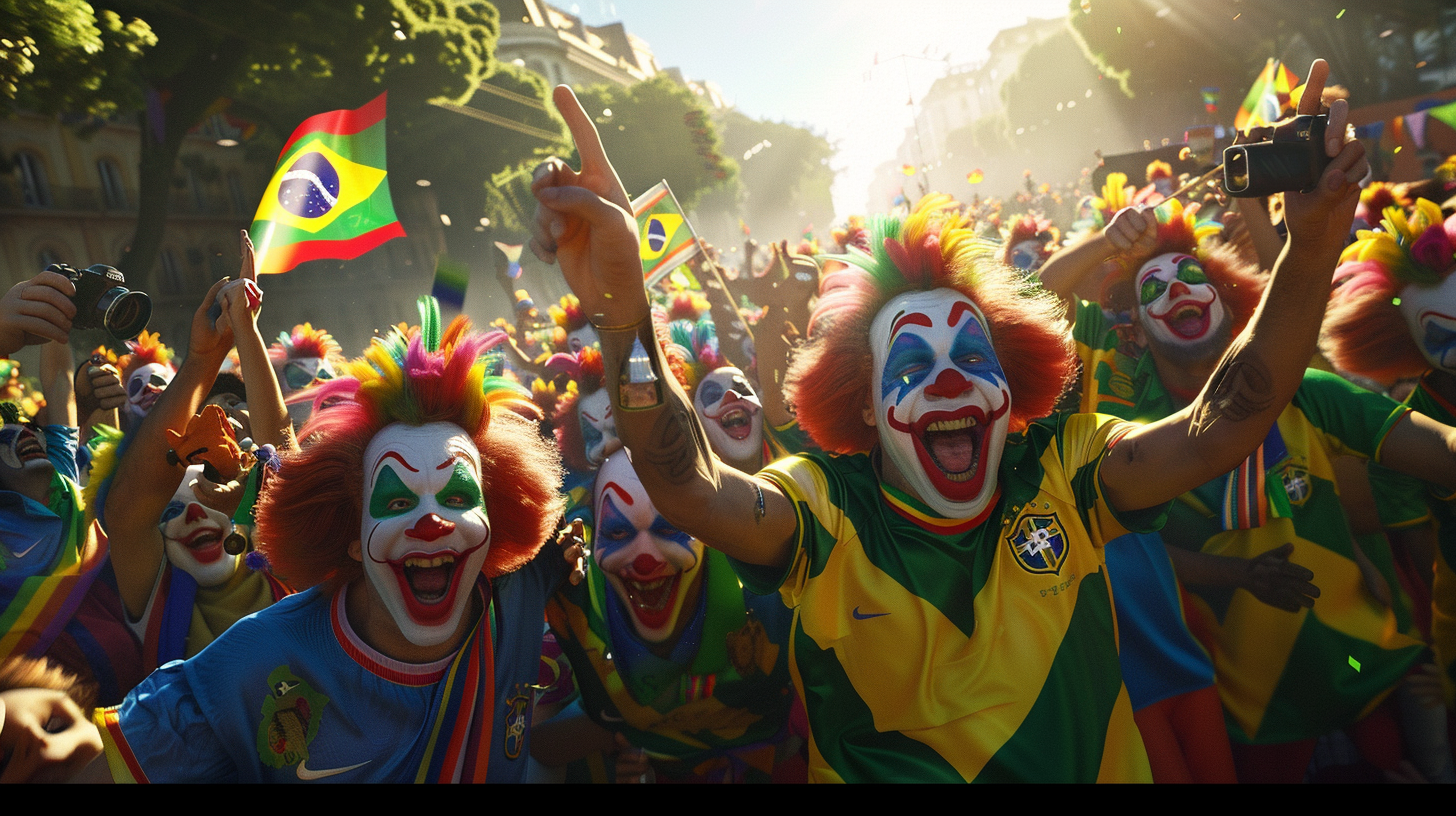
(598, 426)
(581, 338)
(1430, 312)
(193, 533)
(1179, 308)
(144, 386)
(942, 405)
(731, 414)
(651, 565)
(425, 533)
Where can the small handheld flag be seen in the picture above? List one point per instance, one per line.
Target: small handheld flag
(1268, 98)
(329, 197)
(451, 279)
(667, 238)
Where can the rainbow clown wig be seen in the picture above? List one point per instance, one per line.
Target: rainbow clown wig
(145, 349)
(311, 510)
(933, 247)
(1238, 283)
(1364, 331)
(304, 342)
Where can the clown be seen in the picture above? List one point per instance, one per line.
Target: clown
(908, 622)
(569, 318)
(422, 486)
(301, 358)
(145, 372)
(1392, 316)
(1029, 242)
(725, 402)
(669, 650)
(585, 429)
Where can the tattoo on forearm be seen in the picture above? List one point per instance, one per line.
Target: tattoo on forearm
(682, 449)
(1240, 388)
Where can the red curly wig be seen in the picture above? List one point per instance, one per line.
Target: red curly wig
(310, 512)
(933, 247)
(1238, 283)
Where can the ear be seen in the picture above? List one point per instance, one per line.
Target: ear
(356, 551)
(868, 412)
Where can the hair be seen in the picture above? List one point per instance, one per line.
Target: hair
(146, 348)
(1364, 332)
(1237, 282)
(309, 514)
(568, 315)
(305, 341)
(932, 247)
(21, 672)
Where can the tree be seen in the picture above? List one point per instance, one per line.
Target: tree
(281, 63)
(655, 130)
(62, 55)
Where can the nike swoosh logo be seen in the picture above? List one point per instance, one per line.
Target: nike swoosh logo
(22, 553)
(862, 616)
(609, 718)
(308, 775)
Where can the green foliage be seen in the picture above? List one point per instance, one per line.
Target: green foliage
(63, 55)
(658, 130)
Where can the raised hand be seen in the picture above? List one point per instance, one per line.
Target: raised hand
(1322, 217)
(584, 222)
(36, 310)
(1133, 231)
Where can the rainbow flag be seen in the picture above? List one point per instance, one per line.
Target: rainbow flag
(1268, 100)
(667, 239)
(329, 197)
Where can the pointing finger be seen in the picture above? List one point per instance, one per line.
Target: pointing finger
(249, 269)
(583, 131)
(1314, 88)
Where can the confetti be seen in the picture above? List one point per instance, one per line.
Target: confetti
(1119, 29)
(1237, 16)
(1355, 664)
(975, 177)
(1397, 148)
(1395, 301)
(1086, 6)
(1341, 14)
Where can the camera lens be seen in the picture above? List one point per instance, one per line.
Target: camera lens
(1235, 170)
(124, 313)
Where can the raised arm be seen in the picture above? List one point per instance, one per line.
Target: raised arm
(56, 383)
(584, 222)
(267, 414)
(144, 480)
(1263, 367)
(1132, 231)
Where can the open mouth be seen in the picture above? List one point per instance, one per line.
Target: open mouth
(29, 449)
(651, 600)
(951, 446)
(429, 583)
(204, 544)
(1188, 320)
(737, 423)
(148, 398)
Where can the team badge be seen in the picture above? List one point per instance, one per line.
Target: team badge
(518, 707)
(1296, 484)
(1120, 385)
(1038, 542)
(291, 715)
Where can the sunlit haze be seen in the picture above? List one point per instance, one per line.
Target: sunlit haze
(814, 64)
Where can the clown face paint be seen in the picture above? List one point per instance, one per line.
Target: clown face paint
(941, 401)
(425, 532)
(581, 338)
(1026, 255)
(144, 386)
(1179, 308)
(1430, 312)
(653, 567)
(22, 454)
(598, 426)
(732, 416)
(193, 534)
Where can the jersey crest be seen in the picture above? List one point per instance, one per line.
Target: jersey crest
(291, 714)
(517, 709)
(1296, 484)
(1038, 542)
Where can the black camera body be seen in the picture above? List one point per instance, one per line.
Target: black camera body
(1293, 160)
(103, 302)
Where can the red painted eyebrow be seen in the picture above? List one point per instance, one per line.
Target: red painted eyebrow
(955, 312)
(394, 455)
(914, 318)
(616, 488)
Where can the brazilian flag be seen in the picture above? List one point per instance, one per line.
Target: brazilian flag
(667, 239)
(329, 197)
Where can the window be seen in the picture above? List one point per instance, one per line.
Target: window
(33, 183)
(111, 190)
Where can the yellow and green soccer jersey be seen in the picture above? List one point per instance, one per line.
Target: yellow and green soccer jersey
(930, 650)
(1292, 676)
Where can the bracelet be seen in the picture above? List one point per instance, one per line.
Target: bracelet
(624, 327)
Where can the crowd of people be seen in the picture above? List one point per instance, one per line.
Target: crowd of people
(1155, 485)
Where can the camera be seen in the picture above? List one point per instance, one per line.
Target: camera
(102, 301)
(1294, 160)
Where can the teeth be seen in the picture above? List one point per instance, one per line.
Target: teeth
(651, 585)
(426, 563)
(952, 424)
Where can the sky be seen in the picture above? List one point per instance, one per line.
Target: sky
(828, 66)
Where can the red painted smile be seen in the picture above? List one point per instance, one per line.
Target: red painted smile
(951, 446)
(429, 582)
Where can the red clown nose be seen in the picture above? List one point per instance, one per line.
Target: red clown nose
(949, 384)
(430, 528)
(645, 564)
